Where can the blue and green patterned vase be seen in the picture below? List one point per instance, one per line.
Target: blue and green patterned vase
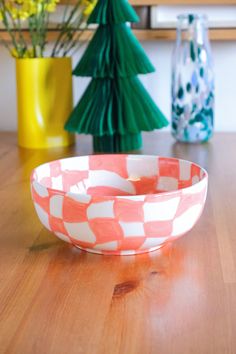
(192, 81)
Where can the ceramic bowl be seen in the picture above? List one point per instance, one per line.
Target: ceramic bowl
(119, 204)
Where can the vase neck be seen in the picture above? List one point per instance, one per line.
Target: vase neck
(192, 28)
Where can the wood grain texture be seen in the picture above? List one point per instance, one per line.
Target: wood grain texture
(57, 299)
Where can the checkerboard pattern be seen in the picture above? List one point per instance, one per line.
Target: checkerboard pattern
(119, 204)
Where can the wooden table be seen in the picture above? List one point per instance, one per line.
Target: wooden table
(57, 299)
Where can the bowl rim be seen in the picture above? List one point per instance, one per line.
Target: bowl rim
(167, 193)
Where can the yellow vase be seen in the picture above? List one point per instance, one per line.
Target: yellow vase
(44, 97)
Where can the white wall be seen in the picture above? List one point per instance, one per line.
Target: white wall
(158, 83)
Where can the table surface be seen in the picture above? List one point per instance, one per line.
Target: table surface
(178, 300)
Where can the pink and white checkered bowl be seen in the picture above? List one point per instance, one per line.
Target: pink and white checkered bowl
(119, 204)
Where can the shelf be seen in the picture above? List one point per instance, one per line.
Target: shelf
(225, 34)
(219, 34)
(181, 2)
(51, 35)
(170, 2)
(222, 34)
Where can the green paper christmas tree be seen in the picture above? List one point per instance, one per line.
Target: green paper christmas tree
(115, 107)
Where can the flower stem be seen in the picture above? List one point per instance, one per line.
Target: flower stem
(64, 28)
(5, 12)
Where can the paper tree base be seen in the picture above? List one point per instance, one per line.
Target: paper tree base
(117, 143)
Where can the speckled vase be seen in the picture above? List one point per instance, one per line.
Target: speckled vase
(192, 81)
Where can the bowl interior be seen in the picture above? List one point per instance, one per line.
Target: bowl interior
(121, 175)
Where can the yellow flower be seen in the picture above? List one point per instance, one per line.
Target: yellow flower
(14, 53)
(34, 12)
(88, 6)
(23, 9)
(51, 7)
(29, 53)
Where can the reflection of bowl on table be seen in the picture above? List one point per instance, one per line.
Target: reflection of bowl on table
(119, 204)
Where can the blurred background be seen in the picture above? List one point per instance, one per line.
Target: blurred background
(158, 84)
(223, 18)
